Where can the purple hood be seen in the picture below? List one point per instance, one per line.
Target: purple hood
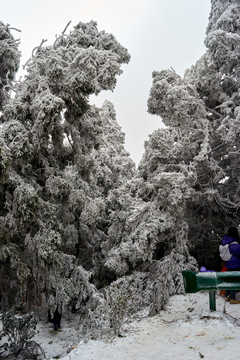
(228, 240)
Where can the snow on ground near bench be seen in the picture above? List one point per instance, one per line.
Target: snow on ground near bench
(184, 330)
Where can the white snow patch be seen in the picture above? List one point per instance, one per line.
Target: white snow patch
(184, 330)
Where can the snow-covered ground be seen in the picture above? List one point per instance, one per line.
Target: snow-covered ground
(184, 330)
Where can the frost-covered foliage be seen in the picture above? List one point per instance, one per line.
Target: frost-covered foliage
(146, 246)
(55, 150)
(223, 34)
(9, 60)
(17, 330)
(175, 101)
(147, 240)
(201, 143)
(217, 78)
(112, 164)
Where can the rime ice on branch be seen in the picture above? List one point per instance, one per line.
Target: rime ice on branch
(202, 138)
(53, 217)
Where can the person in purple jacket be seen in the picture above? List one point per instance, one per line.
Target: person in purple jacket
(231, 246)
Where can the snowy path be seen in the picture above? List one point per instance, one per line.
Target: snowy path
(184, 330)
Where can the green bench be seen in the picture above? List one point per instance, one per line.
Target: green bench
(211, 281)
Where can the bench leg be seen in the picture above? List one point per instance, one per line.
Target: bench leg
(212, 300)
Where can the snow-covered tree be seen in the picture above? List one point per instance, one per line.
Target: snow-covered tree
(9, 60)
(216, 76)
(202, 137)
(52, 193)
(147, 244)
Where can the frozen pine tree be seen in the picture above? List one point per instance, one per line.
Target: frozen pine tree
(216, 78)
(202, 138)
(54, 149)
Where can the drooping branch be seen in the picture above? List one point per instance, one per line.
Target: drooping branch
(227, 207)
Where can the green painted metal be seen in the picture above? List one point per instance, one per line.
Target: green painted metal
(211, 281)
(212, 300)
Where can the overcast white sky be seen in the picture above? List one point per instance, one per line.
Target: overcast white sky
(158, 34)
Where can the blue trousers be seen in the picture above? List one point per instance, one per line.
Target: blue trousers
(56, 326)
(231, 294)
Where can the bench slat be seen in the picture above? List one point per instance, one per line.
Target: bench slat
(211, 281)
